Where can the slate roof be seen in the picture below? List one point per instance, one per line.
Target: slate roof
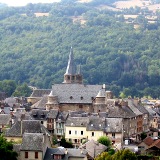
(39, 114)
(96, 124)
(32, 142)
(71, 152)
(114, 125)
(93, 148)
(28, 126)
(116, 111)
(5, 119)
(41, 103)
(40, 92)
(75, 93)
(133, 108)
(77, 121)
(62, 116)
(11, 101)
(52, 113)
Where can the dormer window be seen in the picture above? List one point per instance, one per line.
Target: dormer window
(71, 97)
(81, 98)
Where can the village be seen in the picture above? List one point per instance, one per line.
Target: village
(80, 114)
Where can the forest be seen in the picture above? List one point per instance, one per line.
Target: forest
(35, 49)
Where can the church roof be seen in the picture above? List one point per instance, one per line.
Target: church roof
(75, 93)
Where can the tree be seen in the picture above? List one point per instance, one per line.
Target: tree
(8, 86)
(105, 141)
(65, 143)
(22, 90)
(125, 154)
(6, 150)
(143, 135)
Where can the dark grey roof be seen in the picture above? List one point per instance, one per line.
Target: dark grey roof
(114, 125)
(41, 103)
(139, 106)
(5, 119)
(25, 126)
(75, 93)
(96, 124)
(68, 153)
(93, 148)
(39, 114)
(116, 111)
(71, 69)
(62, 116)
(133, 108)
(77, 121)
(52, 113)
(40, 92)
(32, 142)
(6, 110)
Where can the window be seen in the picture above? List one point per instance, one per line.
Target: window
(113, 135)
(57, 157)
(36, 155)
(75, 140)
(81, 132)
(92, 134)
(69, 132)
(75, 132)
(26, 154)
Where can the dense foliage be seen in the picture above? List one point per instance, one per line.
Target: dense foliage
(35, 49)
(105, 141)
(6, 150)
(125, 154)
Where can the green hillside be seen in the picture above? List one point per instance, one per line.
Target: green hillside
(35, 49)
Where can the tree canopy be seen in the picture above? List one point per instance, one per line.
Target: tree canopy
(6, 150)
(35, 49)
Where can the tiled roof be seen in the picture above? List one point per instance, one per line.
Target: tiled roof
(5, 119)
(32, 142)
(75, 93)
(156, 144)
(148, 141)
(93, 148)
(40, 92)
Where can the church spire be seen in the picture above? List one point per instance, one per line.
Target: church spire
(71, 76)
(71, 69)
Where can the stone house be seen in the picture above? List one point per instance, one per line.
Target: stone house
(15, 133)
(34, 146)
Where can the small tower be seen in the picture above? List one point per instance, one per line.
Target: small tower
(71, 76)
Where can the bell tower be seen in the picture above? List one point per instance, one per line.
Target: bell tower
(71, 76)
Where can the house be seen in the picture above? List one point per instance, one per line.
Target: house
(34, 146)
(144, 145)
(39, 114)
(93, 148)
(20, 127)
(65, 154)
(154, 148)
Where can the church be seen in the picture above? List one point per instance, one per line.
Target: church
(71, 94)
